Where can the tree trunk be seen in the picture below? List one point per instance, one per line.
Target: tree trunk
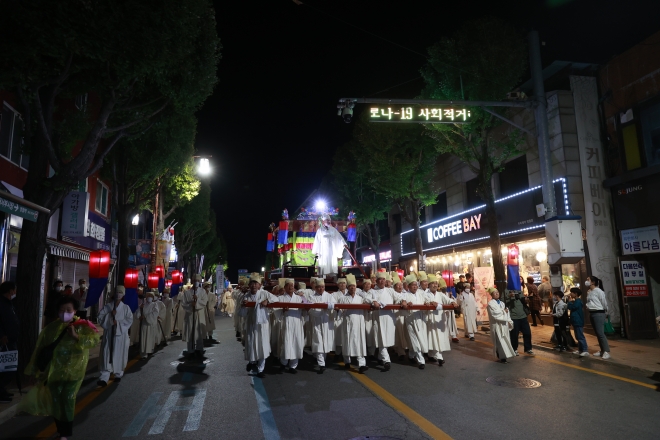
(494, 240)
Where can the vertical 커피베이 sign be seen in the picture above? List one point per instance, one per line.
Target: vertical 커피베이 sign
(597, 200)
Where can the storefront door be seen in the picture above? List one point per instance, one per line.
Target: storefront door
(638, 307)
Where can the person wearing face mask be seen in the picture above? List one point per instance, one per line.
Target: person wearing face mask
(59, 376)
(9, 332)
(54, 295)
(468, 304)
(194, 302)
(148, 315)
(597, 305)
(167, 323)
(80, 294)
(135, 327)
(116, 319)
(500, 326)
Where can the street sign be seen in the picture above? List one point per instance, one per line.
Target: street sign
(17, 209)
(633, 274)
(420, 114)
(640, 240)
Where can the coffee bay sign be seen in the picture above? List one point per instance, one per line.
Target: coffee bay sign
(18, 209)
(421, 114)
(516, 214)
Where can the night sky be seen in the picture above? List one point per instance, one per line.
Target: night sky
(271, 124)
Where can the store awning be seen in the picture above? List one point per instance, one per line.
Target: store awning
(62, 250)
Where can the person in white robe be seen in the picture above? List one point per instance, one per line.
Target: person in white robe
(384, 320)
(210, 310)
(237, 295)
(161, 316)
(438, 322)
(307, 293)
(415, 325)
(388, 280)
(135, 327)
(451, 315)
(423, 281)
(291, 336)
(353, 333)
(400, 333)
(369, 317)
(194, 303)
(328, 246)
(275, 317)
(322, 324)
(257, 328)
(148, 315)
(179, 313)
(468, 305)
(228, 304)
(167, 323)
(500, 326)
(116, 319)
(337, 315)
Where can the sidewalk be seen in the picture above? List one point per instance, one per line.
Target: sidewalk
(8, 410)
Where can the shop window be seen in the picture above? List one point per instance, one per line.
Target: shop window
(650, 125)
(11, 136)
(439, 209)
(472, 200)
(101, 204)
(513, 178)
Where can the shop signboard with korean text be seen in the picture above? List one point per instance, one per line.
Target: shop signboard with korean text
(640, 240)
(516, 213)
(97, 233)
(18, 209)
(633, 275)
(75, 209)
(420, 114)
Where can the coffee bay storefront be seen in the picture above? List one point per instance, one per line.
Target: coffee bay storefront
(458, 244)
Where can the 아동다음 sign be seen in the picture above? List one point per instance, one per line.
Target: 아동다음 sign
(424, 115)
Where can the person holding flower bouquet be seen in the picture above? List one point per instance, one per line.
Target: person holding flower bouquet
(59, 363)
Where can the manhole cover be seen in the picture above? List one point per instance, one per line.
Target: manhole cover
(513, 382)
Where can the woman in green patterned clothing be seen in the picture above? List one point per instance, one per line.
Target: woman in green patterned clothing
(59, 375)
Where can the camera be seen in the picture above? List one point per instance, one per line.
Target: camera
(347, 115)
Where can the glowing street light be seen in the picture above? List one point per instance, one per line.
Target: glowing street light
(321, 206)
(204, 167)
(136, 220)
(263, 269)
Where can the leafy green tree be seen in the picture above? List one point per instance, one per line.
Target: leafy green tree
(130, 59)
(352, 184)
(483, 61)
(400, 166)
(194, 224)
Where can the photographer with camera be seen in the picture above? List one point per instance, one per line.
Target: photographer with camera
(518, 310)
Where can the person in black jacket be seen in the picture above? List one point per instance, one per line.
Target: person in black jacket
(9, 328)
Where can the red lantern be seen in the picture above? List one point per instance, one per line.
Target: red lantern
(168, 284)
(131, 279)
(99, 264)
(152, 280)
(448, 276)
(512, 257)
(160, 270)
(177, 278)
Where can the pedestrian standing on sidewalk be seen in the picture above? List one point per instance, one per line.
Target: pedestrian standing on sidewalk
(577, 319)
(80, 294)
(597, 305)
(560, 321)
(545, 292)
(535, 301)
(515, 303)
(9, 331)
(500, 325)
(60, 375)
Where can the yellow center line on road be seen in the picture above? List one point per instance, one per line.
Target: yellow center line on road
(84, 402)
(424, 424)
(589, 370)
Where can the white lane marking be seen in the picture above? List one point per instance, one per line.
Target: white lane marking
(265, 413)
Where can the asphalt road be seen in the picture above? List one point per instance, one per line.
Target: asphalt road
(163, 398)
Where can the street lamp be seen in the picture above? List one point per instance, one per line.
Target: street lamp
(204, 167)
(136, 220)
(263, 269)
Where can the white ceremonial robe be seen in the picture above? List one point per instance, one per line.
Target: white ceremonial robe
(329, 246)
(307, 293)
(194, 336)
(338, 318)
(500, 325)
(292, 336)
(135, 327)
(239, 321)
(210, 314)
(469, 311)
(275, 316)
(167, 323)
(148, 327)
(401, 342)
(369, 324)
(228, 304)
(322, 326)
(438, 324)
(179, 315)
(383, 323)
(416, 327)
(124, 318)
(257, 328)
(353, 334)
(160, 330)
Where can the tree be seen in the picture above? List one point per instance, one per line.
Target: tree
(483, 61)
(353, 186)
(132, 60)
(194, 226)
(401, 162)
